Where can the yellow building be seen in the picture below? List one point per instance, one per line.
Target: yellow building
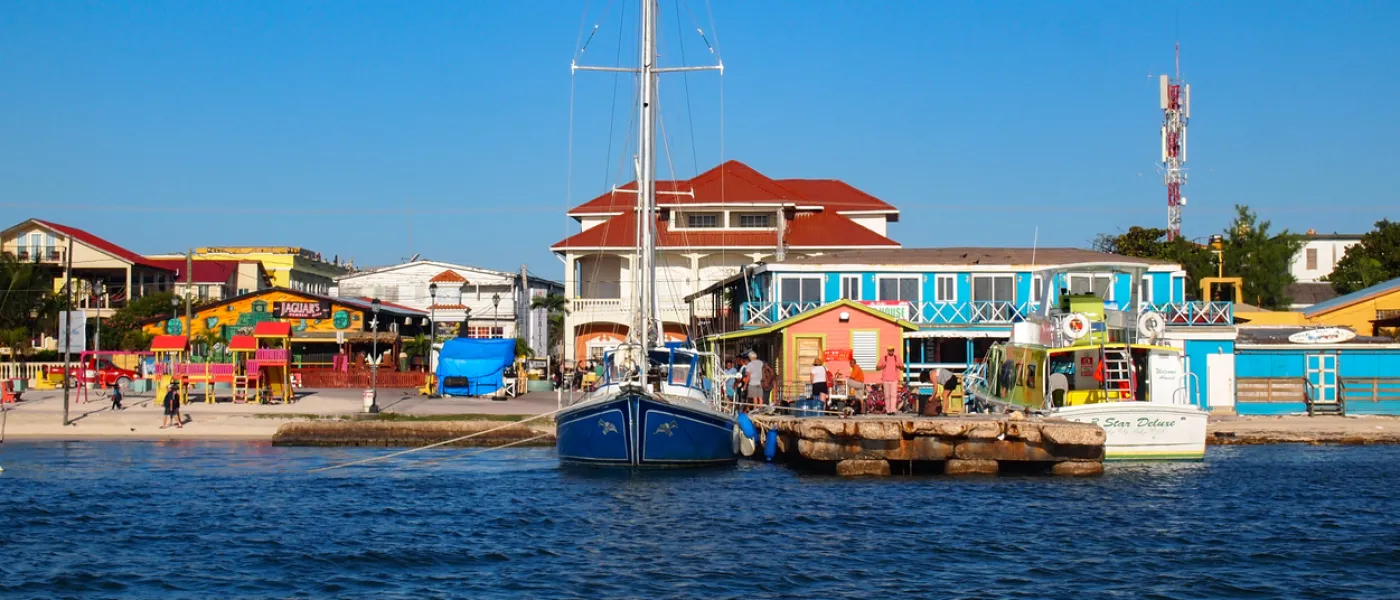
(289, 267)
(1371, 311)
(320, 325)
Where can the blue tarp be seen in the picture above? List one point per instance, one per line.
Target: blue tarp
(480, 362)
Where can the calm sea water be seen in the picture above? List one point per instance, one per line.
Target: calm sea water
(247, 520)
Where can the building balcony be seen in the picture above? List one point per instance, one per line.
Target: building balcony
(760, 314)
(39, 255)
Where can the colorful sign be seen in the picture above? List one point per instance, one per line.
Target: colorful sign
(1324, 335)
(1086, 366)
(837, 355)
(302, 310)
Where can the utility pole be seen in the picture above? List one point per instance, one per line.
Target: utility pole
(189, 288)
(67, 326)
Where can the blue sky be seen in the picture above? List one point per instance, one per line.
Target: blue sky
(327, 124)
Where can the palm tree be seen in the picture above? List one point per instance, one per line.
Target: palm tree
(208, 338)
(557, 306)
(16, 339)
(419, 345)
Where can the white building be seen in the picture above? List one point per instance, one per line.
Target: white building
(708, 228)
(1315, 260)
(491, 304)
(1320, 254)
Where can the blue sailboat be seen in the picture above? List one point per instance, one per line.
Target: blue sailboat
(654, 407)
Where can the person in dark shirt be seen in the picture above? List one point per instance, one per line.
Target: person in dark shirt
(171, 404)
(116, 397)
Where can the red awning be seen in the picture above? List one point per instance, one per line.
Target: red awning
(169, 343)
(246, 343)
(272, 329)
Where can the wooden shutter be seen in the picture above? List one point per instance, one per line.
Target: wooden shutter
(865, 346)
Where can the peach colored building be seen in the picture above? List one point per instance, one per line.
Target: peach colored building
(843, 328)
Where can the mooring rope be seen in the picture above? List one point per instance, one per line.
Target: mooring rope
(434, 445)
(435, 461)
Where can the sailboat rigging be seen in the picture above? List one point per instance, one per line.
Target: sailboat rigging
(655, 406)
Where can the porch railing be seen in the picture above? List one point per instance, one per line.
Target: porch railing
(759, 314)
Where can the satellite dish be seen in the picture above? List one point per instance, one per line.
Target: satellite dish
(414, 257)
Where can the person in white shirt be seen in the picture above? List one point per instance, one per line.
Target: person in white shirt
(819, 390)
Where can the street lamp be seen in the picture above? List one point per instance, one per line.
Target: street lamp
(175, 310)
(370, 403)
(495, 312)
(432, 318)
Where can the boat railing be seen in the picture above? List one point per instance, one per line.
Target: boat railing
(764, 313)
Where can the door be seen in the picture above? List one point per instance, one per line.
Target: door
(808, 349)
(1165, 381)
(1322, 376)
(1220, 380)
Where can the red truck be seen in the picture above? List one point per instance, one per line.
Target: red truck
(106, 373)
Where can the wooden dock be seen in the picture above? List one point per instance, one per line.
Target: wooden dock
(960, 445)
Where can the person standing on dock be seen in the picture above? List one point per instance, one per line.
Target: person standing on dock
(819, 389)
(890, 367)
(730, 377)
(753, 379)
(945, 382)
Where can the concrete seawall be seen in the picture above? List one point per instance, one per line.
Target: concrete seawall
(880, 445)
(409, 433)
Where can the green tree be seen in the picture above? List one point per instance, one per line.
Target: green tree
(135, 340)
(523, 349)
(17, 340)
(419, 345)
(1261, 258)
(1376, 259)
(557, 307)
(27, 301)
(127, 319)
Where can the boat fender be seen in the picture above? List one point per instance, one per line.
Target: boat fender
(1151, 324)
(746, 447)
(746, 425)
(770, 445)
(737, 439)
(1075, 327)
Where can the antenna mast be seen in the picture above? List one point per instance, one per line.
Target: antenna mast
(1176, 113)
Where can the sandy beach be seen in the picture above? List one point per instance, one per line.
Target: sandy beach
(39, 416)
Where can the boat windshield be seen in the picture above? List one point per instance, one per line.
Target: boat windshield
(673, 366)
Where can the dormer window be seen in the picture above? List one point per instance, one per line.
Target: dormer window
(755, 220)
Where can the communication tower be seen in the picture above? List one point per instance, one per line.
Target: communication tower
(1176, 113)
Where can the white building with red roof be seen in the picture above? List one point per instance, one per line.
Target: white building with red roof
(105, 276)
(709, 227)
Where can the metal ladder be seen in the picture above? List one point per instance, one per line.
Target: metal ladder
(1118, 371)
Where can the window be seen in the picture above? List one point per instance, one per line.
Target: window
(799, 289)
(1037, 289)
(897, 288)
(993, 288)
(49, 250)
(702, 220)
(756, 220)
(203, 292)
(1178, 283)
(1311, 253)
(850, 287)
(488, 332)
(945, 288)
(1147, 290)
(1098, 284)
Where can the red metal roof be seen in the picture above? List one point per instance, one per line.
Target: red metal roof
(243, 343)
(205, 271)
(272, 329)
(806, 230)
(168, 343)
(448, 276)
(734, 182)
(834, 194)
(79, 235)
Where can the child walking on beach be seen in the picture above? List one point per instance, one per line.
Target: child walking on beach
(171, 404)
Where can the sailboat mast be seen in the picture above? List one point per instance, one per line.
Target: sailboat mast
(646, 185)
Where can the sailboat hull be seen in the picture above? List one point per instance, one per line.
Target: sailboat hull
(635, 430)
